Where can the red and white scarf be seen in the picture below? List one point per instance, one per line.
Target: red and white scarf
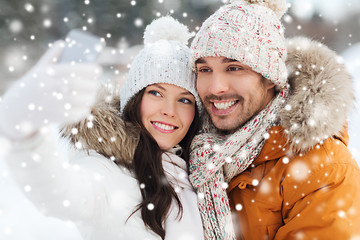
(215, 159)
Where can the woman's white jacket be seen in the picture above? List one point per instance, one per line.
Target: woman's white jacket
(75, 177)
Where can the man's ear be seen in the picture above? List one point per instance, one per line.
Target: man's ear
(268, 84)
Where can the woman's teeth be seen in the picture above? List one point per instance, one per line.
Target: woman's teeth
(164, 126)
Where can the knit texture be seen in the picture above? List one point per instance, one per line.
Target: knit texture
(249, 33)
(215, 159)
(164, 59)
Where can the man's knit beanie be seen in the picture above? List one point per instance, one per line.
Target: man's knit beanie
(250, 32)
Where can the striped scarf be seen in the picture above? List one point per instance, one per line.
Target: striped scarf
(215, 159)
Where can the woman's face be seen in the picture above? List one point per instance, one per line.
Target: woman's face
(167, 112)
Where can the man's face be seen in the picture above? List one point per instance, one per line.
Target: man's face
(231, 92)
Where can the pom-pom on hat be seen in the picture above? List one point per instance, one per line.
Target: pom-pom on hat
(165, 58)
(250, 32)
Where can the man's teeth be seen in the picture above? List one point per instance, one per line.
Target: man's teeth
(224, 105)
(163, 126)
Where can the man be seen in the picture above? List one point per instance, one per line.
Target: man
(273, 151)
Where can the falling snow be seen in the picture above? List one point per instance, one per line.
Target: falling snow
(299, 171)
(21, 57)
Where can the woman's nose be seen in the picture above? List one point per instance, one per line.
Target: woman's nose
(169, 108)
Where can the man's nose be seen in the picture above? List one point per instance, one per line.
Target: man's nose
(218, 84)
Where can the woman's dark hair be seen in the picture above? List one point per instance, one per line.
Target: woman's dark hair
(147, 166)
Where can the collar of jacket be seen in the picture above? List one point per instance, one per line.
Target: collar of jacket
(275, 148)
(321, 95)
(108, 135)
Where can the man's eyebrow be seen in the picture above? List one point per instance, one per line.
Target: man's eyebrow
(228, 60)
(200, 60)
(225, 60)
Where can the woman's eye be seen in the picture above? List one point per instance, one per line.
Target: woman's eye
(186, 101)
(155, 93)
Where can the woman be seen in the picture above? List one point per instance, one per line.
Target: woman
(127, 174)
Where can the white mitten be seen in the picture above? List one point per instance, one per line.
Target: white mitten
(50, 92)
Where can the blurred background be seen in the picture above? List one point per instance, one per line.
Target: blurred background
(28, 26)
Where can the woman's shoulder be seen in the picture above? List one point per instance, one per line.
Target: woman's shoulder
(95, 162)
(117, 200)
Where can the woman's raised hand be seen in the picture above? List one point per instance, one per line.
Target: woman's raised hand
(50, 92)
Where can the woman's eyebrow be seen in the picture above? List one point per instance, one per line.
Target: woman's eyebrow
(162, 88)
(158, 86)
(186, 93)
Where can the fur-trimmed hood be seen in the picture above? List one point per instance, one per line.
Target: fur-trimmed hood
(320, 101)
(105, 131)
(321, 96)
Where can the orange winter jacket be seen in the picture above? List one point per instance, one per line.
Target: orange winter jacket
(315, 195)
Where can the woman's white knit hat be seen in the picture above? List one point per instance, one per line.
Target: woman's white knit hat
(250, 32)
(164, 59)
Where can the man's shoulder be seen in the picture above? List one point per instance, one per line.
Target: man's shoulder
(333, 150)
(329, 152)
(324, 163)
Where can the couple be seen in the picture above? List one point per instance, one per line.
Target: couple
(268, 159)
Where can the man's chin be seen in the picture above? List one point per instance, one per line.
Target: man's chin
(225, 126)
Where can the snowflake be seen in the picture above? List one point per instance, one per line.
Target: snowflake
(238, 207)
(265, 187)
(201, 195)
(224, 185)
(29, 7)
(285, 160)
(138, 22)
(47, 23)
(66, 203)
(74, 131)
(27, 188)
(255, 182)
(16, 26)
(150, 206)
(299, 171)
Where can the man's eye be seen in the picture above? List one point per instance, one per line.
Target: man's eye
(155, 93)
(204, 70)
(235, 68)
